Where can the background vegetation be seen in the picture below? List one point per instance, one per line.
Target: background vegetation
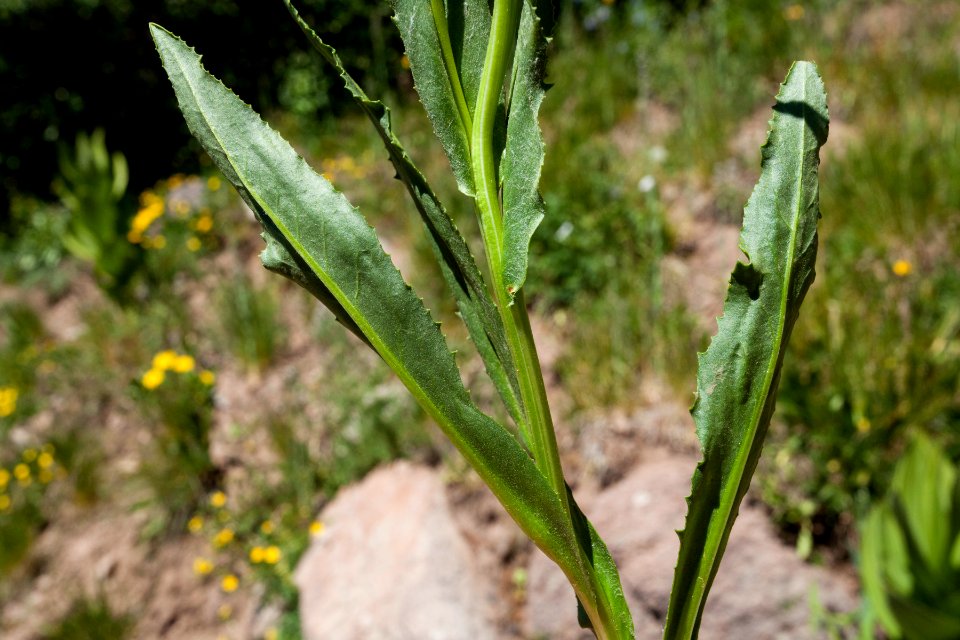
(139, 383)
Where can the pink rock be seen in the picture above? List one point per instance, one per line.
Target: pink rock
(392, 565)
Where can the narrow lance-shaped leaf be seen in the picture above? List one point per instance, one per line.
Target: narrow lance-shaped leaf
(309, 218)
(523, 207)
(469, 27)
(459, 268)
(739, 373)
(417, 27)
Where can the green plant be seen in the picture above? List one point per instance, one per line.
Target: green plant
(251, 325)
(31, 254)
(480, 78)
(24, 480)
(90, 619)
(179, 400)
(91, 186)
(910, 548)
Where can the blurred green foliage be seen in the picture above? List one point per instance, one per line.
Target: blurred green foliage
(177, 397)
(910, 549)
(86, 81)
(90, 619)
(91, 185)
(252, 328)
(32, 256)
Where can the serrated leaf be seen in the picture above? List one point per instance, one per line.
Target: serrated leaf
(459, 268)
(304, 213)
(415, 21)
(523, 208)
(738, 375)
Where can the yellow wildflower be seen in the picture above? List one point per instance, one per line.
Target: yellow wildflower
(148, 198)
(267, 527)
(256, 555)
(4, 502)
(21, 472)
(195, 524)
(145, 217)
(4, 478)
(316, 528)
(230, 583)
(833, 466)
(8, 401)
(152, 379)
(183, 364)
(175, 181)
(405, 62)
(213, 183)
(207, 377)
(193, 243)
(794, 12)
(159, 242)
(29, 455)
(223, 538)
(164, 360)
(863, 425)
(224, 612)
(45, 476)
(202, 566)
(218, 499)
(181, 207)
(272, 554)
(902, 268)
(45, 461)
(271, 634)
(204, 224)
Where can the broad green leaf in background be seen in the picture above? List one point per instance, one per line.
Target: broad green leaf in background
(907, 545)
(456, 262)
(738, 375)
(523, 208)
(437, 84)
(319, 231)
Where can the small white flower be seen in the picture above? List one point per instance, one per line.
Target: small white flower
(647, 183)
(563, 231)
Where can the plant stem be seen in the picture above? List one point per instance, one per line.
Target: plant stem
(540, 433)
(539, 429)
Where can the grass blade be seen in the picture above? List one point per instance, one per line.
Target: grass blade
(459, 268)
(739, 373)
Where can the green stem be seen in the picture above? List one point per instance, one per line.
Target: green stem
(450, 64)
(542, 440)
(539, 430)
